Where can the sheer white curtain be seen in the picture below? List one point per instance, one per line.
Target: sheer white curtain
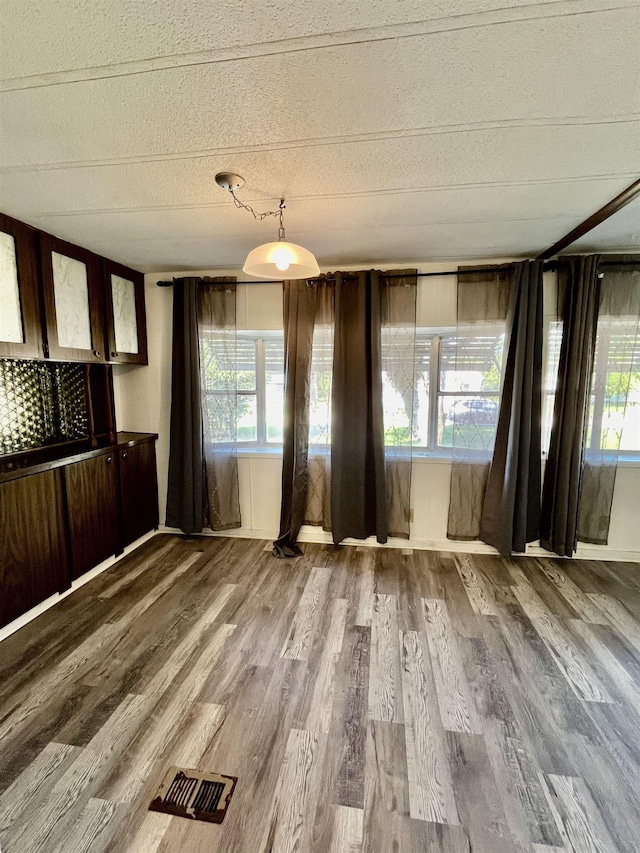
(219, 372)
(483, 299)
(614, 410)
(318, 509)
(398, 350)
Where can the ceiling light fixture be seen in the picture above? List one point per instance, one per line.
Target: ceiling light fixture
(279, 260)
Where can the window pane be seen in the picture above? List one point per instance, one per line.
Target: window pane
(631, 424)
(246, 364)
(228, 364)
(221, 420)
(421, 393)
(472, 419)
(471, 363)
(398, 384)
(616, 381)
(247, 417)
(553, 343)
(274, 388)
(320, 390)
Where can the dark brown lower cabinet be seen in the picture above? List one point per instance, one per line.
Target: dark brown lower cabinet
(57, 524)
(138, 491)
(33, 542)
(92, 500)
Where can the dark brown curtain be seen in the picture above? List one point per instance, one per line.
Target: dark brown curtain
(578, 281)
(336, 350)
(358, 476)
(219, 400)
(185, 485)
(511, 510)
(300, 306)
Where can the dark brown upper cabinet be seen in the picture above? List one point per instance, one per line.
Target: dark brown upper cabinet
(73, 301)
(126, 323)
(20, 322)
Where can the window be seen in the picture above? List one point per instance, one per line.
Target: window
(456, 382)
(468, 388)
(616, 378)
(247, 367)
(614, 417)
(466, 383)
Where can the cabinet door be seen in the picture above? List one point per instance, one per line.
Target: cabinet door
(33, 545)
(138, 491)
(73, 301)
(93, 512)
(126, 317)
(20, 323)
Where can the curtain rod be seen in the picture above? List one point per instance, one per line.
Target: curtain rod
(548, 265)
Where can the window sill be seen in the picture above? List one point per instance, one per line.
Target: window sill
(274, 452)
(419, 456)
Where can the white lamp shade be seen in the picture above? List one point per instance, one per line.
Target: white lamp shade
(281, 260)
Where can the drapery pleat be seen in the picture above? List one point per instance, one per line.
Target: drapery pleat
(578, 280)
(483, 299)
(358, 475)
(219, 400)
(185, 489)
(300, 306)
(511, 507)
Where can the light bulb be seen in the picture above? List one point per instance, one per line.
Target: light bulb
(282, 259)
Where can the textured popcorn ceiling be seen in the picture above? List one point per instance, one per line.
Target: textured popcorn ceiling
(396, 130)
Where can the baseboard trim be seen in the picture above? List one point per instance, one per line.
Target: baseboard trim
(321, 537)
(41, 608)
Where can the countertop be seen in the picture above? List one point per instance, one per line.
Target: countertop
(46, 458)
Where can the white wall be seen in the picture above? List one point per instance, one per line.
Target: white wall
(143, 400)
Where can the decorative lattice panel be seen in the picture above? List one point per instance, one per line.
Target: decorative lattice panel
(41, 403)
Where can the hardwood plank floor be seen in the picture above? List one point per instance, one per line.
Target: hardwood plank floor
(368, 700)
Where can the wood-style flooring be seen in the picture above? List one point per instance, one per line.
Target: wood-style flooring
(368, 700)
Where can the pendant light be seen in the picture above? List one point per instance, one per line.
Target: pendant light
(279, 260)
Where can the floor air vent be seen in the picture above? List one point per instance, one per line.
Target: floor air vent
(194, 794)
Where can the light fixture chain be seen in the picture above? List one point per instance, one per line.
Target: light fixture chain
(259, 216)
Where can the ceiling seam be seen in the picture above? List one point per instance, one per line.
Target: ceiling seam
(98, 73)
(330, 196)
(328, 141)
(382, 224)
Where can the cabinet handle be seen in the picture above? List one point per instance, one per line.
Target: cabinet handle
(125, 454)
(114, 355)
(96, 352)
(108, 459)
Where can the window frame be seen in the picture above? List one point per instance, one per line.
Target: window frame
(259, 391)
(598, 395)
(436, 334)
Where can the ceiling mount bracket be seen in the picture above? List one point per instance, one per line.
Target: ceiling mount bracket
(230, 181)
